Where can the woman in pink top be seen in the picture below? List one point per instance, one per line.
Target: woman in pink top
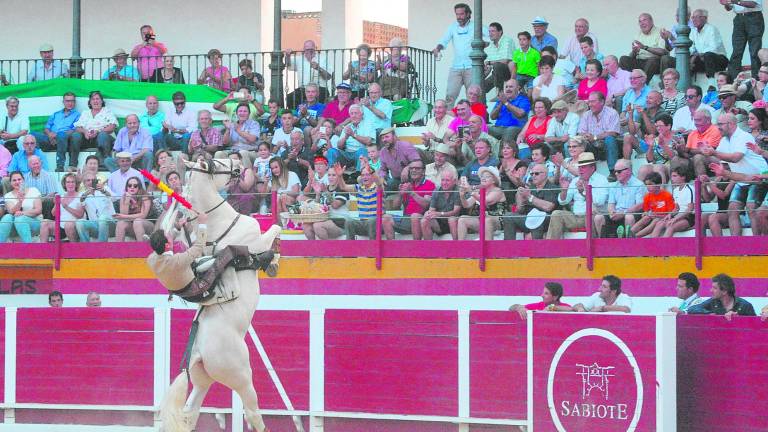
(216, 75)
(592, 82)
(550, 301)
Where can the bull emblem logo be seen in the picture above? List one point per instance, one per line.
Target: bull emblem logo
(593, 377)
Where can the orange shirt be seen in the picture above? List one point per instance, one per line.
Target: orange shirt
(663, 202)
(710, 137)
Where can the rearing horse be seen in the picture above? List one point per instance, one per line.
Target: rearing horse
(219, 352)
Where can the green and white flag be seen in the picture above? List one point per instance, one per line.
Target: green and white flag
(39, 100)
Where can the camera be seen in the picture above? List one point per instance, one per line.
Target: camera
(463, 130)
(94, 183)
(149, 37)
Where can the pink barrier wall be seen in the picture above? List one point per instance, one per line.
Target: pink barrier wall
(497, 354)
(285, 337)
(99, 356)
(2, 354)
(593, 382)
(398, 362)
(722, 374)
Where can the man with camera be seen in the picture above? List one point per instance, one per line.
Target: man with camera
(149, 53)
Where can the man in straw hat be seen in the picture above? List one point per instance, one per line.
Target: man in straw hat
(436, 169)
(575, 191)
(121, 71)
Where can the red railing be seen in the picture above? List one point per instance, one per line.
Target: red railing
(589, 248)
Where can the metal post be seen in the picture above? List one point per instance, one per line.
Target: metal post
(379, 221)
(698, 229)
(683, 45)
(76, 62)
(56, 232)
(277, 66)
(481, 228)
(588, 226)
(478, 55)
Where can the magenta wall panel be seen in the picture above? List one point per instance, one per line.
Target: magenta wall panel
(594, 383)
(2, 353)
(382, 361)
(285, 336)
(497, 362)
(105, 354)
(722, 374)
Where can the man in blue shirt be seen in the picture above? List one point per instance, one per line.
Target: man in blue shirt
(510, 112)
(47, 68)
(541, 38)
(135, 140)
(377, 111)
(58, 134)
(20, 160)
(461, 33)
(152, 120)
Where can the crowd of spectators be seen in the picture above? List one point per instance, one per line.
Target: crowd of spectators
(530, 154)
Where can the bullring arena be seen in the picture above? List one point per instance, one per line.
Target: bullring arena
(374, 333)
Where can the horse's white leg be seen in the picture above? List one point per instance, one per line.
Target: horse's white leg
(201, 382)
(251, 405)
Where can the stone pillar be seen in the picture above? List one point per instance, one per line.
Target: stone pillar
(478, 54)
(683, 46)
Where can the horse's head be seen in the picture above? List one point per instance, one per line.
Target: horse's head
(221, 171)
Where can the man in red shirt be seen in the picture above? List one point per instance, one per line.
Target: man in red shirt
(550, 301)
(706, 135)
(415, 196)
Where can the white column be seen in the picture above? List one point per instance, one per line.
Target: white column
(342, 24)
(9, 391)
(666, 372)
(463, 368)
(316, 369)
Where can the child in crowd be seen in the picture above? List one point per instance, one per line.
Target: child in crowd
(657, 205)
(373, 160)
(272, 122)
(263, 176)
(682, 218)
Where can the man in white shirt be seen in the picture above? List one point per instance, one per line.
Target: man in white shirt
(575, 191)
(117, 180)
(563, 125)
(179, 124)
(12, 124)
(310, 68)
(682, 121)
(608, 299)
(461, 33)
(708, 51)
(437, 126)
(377, 111)
(98, 210)
(744, 163)
(572, 49)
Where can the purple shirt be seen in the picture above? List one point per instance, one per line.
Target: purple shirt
(142, 140)
(5, 160)
(618, 84)
(394, 162)
(606, 121)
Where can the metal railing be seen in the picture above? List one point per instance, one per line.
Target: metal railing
(419, 78)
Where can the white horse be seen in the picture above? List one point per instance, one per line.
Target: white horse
(219, 352)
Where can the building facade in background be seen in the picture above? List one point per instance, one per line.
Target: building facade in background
(299, 27)
(379, 34)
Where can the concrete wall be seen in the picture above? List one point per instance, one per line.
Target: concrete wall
(614, 23)
(186, 27)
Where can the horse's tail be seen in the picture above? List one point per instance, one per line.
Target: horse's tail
(171, 408)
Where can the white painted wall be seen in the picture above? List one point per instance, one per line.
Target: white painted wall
(186, 27)
(614, 23)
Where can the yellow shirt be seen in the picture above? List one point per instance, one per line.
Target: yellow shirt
(653, 39)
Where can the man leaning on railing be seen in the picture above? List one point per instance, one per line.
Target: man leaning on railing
(47, 68)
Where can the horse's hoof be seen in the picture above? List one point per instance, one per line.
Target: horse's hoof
(272, 270)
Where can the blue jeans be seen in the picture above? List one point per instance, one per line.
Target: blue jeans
(173, 143)
(25, 227)
(158, 141)
(103, 142)
(87, 228)
(611, 149)
(65, 141)
(145, 163)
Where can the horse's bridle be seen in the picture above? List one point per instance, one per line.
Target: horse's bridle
(233, 173)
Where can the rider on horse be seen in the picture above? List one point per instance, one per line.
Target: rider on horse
(175, 270)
